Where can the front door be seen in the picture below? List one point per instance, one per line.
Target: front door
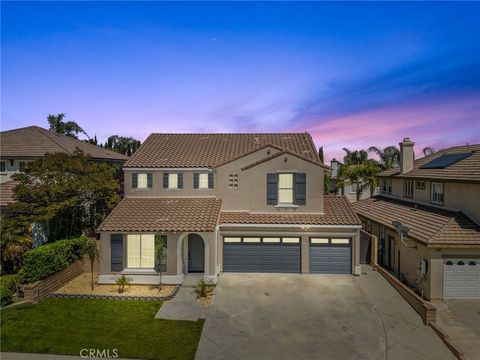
(196, 253)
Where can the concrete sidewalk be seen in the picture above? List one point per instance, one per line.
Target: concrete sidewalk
(184, 305)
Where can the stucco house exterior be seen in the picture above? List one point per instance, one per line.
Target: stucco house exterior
(438, 199)
(227, 203)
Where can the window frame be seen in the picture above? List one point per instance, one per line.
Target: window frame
(170, 176)
(408, 184)
(4, 171)
(386, 186)
(292, 202)
(200, 175)
(421, 187)
(432, 185)
(138, 181)
(140, 253)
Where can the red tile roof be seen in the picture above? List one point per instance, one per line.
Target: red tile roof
(428, 225)
(34, 141)
(211, 150)
(164, 214)
(467, 169)
(338, 211)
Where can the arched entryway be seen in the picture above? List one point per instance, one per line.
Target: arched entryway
(192, 254)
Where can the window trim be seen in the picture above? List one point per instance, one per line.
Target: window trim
(405, 187)
(420, 187)
(431, 193)
(140, 268)
(292, 188)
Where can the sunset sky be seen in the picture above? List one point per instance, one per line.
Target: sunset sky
(352, 74)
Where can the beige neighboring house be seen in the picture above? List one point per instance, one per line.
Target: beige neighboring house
(438, 199)
(227, 203)
(19, 146)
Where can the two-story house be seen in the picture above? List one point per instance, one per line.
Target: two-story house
(227, 203)
(19, 146)
(435, 202)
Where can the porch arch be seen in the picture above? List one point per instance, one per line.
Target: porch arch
(180, 262)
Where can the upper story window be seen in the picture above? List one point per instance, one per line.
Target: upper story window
(142, 180)
(203, 181)
(420, 184)
(437, 193)
(172, 181)
(408, 188)
(3, 166)
(285, 188)
(21, 166)
(387, 186)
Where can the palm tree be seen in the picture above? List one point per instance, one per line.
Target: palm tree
(370, 179)
(355, 157)
(69, 128)
(427, 151)
(389, 156)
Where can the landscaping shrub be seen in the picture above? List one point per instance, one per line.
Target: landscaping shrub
(48, 259)
(123, 282)
(9, 281)
(6, 296)
(203, 289)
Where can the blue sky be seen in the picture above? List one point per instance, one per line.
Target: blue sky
(352, 74)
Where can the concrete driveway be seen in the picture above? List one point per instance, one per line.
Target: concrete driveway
(275, 316)
(461, 320)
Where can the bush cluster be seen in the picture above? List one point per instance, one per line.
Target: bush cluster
(48, 259)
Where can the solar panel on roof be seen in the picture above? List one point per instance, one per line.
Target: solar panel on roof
(445, 161)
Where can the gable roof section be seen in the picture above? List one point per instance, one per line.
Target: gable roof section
(34, 141)
(163, 214)
(428, 225)
(337, 211)
(284, 152)
(467, 169)
(212, 150)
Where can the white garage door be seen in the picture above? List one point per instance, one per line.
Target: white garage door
(461, 279)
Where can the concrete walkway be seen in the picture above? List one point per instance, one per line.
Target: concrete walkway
(184, 305)
(461, 321)
(288, 316)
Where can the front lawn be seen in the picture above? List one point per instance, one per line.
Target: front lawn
(66, 326)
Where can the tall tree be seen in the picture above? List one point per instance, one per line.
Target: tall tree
(355, 157)
(123, 145)
(59, 125)
(389, 156)
(69, 192)
(320, 154)
(427, 151)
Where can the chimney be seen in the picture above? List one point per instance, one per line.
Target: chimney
(335, 167)
(406, 155)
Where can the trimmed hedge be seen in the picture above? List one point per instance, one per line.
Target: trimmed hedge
(48, 259)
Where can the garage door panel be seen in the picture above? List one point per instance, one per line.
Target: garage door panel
(330, 259)
(261, 257)
(461, 279)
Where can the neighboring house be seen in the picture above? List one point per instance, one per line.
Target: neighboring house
(19, 146)
(438, 199)
(349, 190)
(227, 203)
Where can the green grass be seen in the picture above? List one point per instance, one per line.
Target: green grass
(65, 326)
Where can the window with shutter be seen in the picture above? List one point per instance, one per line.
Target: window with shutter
(300, 188)
(285, 188)
(272, 189)
(134, 180)
(116, 252)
